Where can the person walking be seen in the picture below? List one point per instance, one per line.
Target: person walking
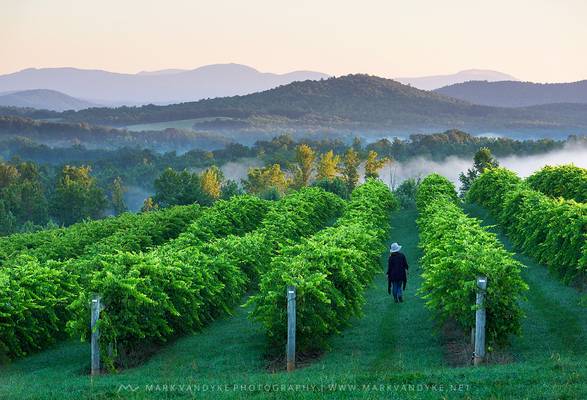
(397, 276)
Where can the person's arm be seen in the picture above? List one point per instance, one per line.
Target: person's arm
(388, 265)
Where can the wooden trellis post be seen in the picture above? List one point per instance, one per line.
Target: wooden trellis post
(95, 340)
(291, 328)
(480, 315)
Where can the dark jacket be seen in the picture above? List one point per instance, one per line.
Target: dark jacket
(397, 265)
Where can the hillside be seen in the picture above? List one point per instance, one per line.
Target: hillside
(517, 94)
(43, 99)
(348, 103)
(335, 102)
(438, 81)
(158, 87)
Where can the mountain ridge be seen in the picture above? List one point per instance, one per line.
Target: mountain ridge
(437, 81)
(350, 102)
(112, 88)
(517, 94)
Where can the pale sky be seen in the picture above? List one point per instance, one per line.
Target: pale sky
(537, 40)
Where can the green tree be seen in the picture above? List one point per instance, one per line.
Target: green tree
(350, 169)
(406, 192)
(482, 161)
(117, 199)
(7, 220)
(8, 175)
(336, 186)
(260, 180)
(230, 189)
(179, 188)
(23, 194)
(305, 158)
(374, 165)
(26, 199)
(328, 166)
(76, 196)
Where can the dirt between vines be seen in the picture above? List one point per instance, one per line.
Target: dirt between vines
(458, 349)
(275, 363)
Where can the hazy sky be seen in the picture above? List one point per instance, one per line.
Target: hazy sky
(539, 40)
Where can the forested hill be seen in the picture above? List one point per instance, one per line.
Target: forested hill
(349, 103)
(43, 99)
(351, 98)
(517, 94)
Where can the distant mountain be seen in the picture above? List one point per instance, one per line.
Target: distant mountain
(517, 94)
(159, 87)
(43, 99)
(162, 72)
(438, 81)
(352, 103)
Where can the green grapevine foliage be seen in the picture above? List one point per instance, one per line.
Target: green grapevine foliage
(33, 301)
(62, 243)
(120, 248)
(566, 181)
(330, 271)
(457, 250)
(553, 231)
(435, 186)
(185, 284)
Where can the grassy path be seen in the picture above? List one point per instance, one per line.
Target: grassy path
(407, 326)
(390, 337)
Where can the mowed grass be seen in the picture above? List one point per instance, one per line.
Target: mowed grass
(392, 352)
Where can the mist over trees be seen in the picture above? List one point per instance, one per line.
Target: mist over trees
(117, 196)
(482, 161)
(43, 186)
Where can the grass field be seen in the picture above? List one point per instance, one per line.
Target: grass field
(393, 352)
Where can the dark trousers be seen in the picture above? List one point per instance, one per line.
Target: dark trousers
(395, 288)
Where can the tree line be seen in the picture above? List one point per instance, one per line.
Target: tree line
(335, 173)
(44, 186)
(30, 201)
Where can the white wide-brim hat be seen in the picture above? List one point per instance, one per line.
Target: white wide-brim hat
(395, 247)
